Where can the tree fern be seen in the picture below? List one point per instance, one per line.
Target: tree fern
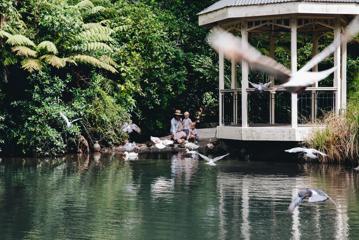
(54, 60)
(96, 46)
(97, 9)
(94, 62)
(85, 4)
(31, 64)
(108, 60)
(97, 34)
(4, 34)
(48, 47)
(24, 51)
(19, 40)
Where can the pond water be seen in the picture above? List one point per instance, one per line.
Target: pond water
(172, 197)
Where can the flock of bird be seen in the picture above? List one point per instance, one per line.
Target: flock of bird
(234, 48)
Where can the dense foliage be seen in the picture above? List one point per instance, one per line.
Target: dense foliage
(107, 62)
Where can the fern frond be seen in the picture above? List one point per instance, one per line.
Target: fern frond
(19, 40)
(31, 64)
(97, 34)
(4, 34)
(24, 51)
(96, 46)
(94, 62)
(85, 4)
(97, 9)
(108, 60)
(91, 25)
(54, 60)
(48, 46)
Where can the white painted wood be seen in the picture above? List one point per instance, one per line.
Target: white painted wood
(315, 69)
(344, 77)
(268, 133)
(336, 80)
(221, 87)
(244, 82)
(278, 9)
(234, 85)
(271, 78)
(293, 56)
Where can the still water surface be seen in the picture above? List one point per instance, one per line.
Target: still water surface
(173, 197)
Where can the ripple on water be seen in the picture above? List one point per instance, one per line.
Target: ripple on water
(174, 198)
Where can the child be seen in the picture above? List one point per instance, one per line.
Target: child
(186, 123)
(193, 135)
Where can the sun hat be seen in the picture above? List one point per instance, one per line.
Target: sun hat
(178, 113)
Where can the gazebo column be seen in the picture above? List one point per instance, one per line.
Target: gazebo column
(245, 73)
(315, 69)
(221, 87)
(337, 82)
(344, 77)
(293, 56)
(234, 87)
(271, 78)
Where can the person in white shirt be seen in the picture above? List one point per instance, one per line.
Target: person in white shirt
(186, 123)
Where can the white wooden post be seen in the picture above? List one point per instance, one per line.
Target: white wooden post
(271, 78)
(245, 72)
(234, 87)
(315, 69)
(293, 55)
(221, 87)
(336, 80)
(344, 77)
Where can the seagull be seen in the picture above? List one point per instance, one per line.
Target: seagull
(260, 86)
(236, 49)
(161, 144)
(68, 122)
(130, 156)
(357, 168)
(191, 146)
(308, 152)
(313, 195)
(130, 127)
(210, 161)
(191, 152)
(129, 147)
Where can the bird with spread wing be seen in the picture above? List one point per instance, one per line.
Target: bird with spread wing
(212, 161)
(234, 48)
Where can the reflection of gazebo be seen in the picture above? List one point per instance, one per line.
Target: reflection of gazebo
(274, 18)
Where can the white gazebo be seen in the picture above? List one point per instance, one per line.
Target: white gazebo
(274, 19)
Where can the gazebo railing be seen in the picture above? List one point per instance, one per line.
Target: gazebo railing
(273, 108)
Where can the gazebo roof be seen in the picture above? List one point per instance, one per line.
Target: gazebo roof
(229, 9)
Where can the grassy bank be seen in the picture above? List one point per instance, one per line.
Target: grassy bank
(340, 138)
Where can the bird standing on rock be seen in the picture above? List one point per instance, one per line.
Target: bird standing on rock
(96, 147)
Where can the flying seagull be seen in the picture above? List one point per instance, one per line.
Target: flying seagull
(313, 196)
(130, 127)
(68, 122)
(357, 168)
(212, 161)
(260, 86)
(237, 49)
(308, 152)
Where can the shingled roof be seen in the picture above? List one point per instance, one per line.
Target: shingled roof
(236, 3)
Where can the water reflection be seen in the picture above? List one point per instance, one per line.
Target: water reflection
(174, 197)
